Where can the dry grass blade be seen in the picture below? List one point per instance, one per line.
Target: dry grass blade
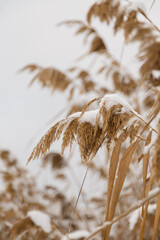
(149, 138)
(131, 209)
(157, 218)
(146, 124)
(112, 171)
(121, 175)
(145, 168)
(156, 159)
(145, 209)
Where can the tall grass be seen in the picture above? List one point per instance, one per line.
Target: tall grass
(119, 114)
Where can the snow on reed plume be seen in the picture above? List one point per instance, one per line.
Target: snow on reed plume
(91, 128)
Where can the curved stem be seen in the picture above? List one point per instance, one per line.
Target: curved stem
(151, 195)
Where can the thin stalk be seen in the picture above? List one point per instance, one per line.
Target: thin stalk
(122, 52)
(149, 20)
(147, 124)
(151, 6)
(80, 191)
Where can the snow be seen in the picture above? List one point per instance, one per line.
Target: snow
(156, 73)
(109, 100)
(90, 116)
(134, 219)
(40, 219)
(77, 235)
(83, 99)
(74, 115)
(114, 99)
(148, 148)
(114, 2)
(133, 121)
(152, 208)
(154, 191)
(138, 213)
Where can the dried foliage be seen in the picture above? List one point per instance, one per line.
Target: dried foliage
(97, 44)
(102, 121)
(55, 159)
(21, 198)
(156, 160)
(122, 80)
(90, 128)
(49, 77)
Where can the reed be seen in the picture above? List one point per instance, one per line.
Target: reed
(116, 119)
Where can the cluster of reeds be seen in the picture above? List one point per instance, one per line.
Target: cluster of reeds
(23, 203)
(120, 114)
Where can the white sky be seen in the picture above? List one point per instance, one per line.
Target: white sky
(28, 35)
